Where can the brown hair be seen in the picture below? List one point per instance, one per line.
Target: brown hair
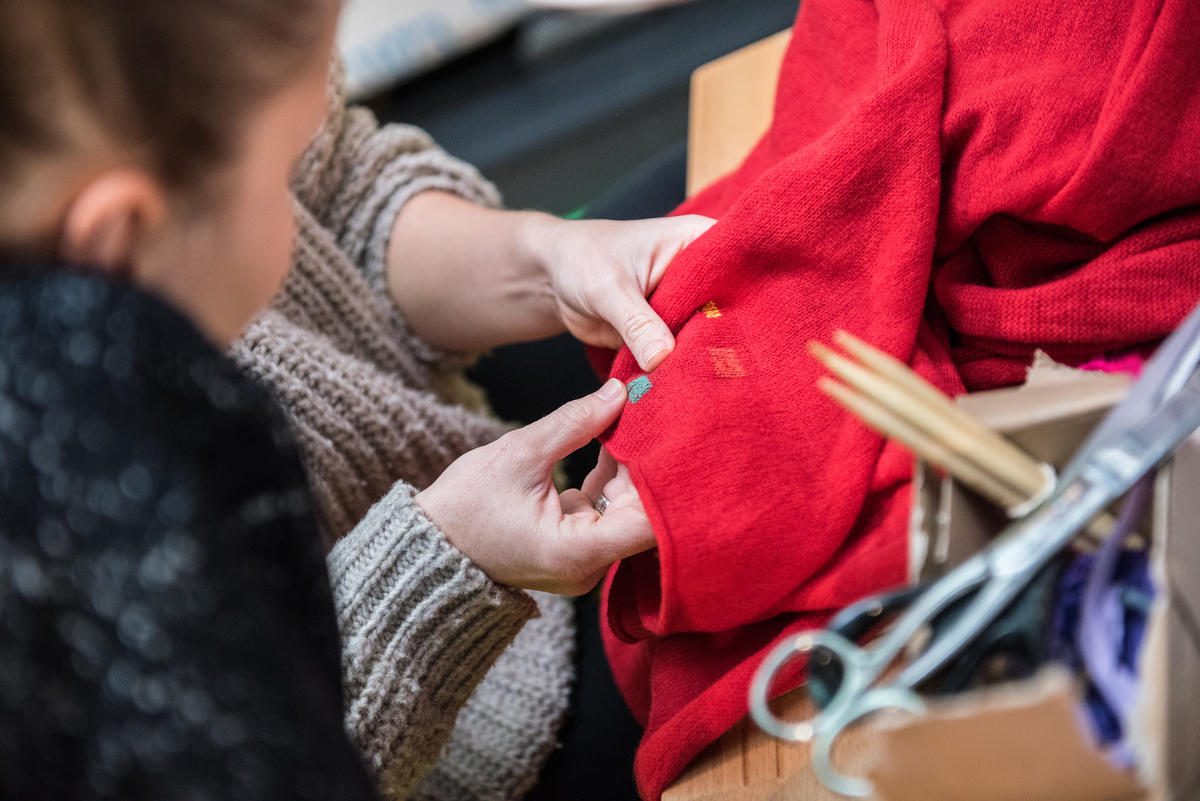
(171, 79)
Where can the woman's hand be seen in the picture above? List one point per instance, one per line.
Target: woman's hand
(498, 505)
(470, 278)
(601, 271)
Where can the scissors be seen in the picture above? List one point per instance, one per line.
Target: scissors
(1012, 646)
(1159, 412)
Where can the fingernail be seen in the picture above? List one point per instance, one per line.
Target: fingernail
(612, 389)
(660, 350)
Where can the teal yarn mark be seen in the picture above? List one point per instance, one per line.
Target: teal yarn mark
(638, 387)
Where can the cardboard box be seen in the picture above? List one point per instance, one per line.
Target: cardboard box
(1021, 738)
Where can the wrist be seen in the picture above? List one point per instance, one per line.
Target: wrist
(536, 239)
(426, 501)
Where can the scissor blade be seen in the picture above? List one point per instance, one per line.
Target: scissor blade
(1164, 375)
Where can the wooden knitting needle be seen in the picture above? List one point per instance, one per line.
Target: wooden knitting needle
(921, 444)
(1019, 469)
(921, 399)
(969, 440)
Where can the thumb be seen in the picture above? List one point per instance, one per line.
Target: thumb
(573, 425)
(694, 226)
(648, 337)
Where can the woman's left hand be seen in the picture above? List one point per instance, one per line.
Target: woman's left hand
(601, 272)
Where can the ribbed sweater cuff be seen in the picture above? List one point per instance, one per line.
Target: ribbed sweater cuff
(408, 176)
(421, 626)
(404, 179)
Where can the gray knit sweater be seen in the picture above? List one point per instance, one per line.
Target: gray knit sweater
(379, 413)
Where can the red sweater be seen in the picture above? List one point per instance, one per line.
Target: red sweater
(957, 183)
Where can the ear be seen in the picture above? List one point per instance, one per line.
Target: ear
(109, 222)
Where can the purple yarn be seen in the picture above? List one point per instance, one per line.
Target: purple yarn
(1098, 622)
(1064, 618)
(1110, 632)
(1061, 648)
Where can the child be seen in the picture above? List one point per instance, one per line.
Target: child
(167, 628)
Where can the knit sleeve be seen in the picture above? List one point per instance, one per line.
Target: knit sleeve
(421, 626)
(363, 419)
(356, 176)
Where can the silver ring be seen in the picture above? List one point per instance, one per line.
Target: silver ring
(601, 505)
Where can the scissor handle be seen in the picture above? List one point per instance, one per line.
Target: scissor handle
(868, 703)
(854, 623)
(860, 667)
(805, 642)
(852, 701)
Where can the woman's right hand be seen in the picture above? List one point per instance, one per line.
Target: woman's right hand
(498, 505)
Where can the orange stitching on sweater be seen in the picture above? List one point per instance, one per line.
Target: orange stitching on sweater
(710, 310)
(726, 363)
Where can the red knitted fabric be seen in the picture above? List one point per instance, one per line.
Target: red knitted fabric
(955, 183)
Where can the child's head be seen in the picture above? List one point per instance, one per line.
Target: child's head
(154, 139)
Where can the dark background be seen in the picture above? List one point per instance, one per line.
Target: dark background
(565, 106)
